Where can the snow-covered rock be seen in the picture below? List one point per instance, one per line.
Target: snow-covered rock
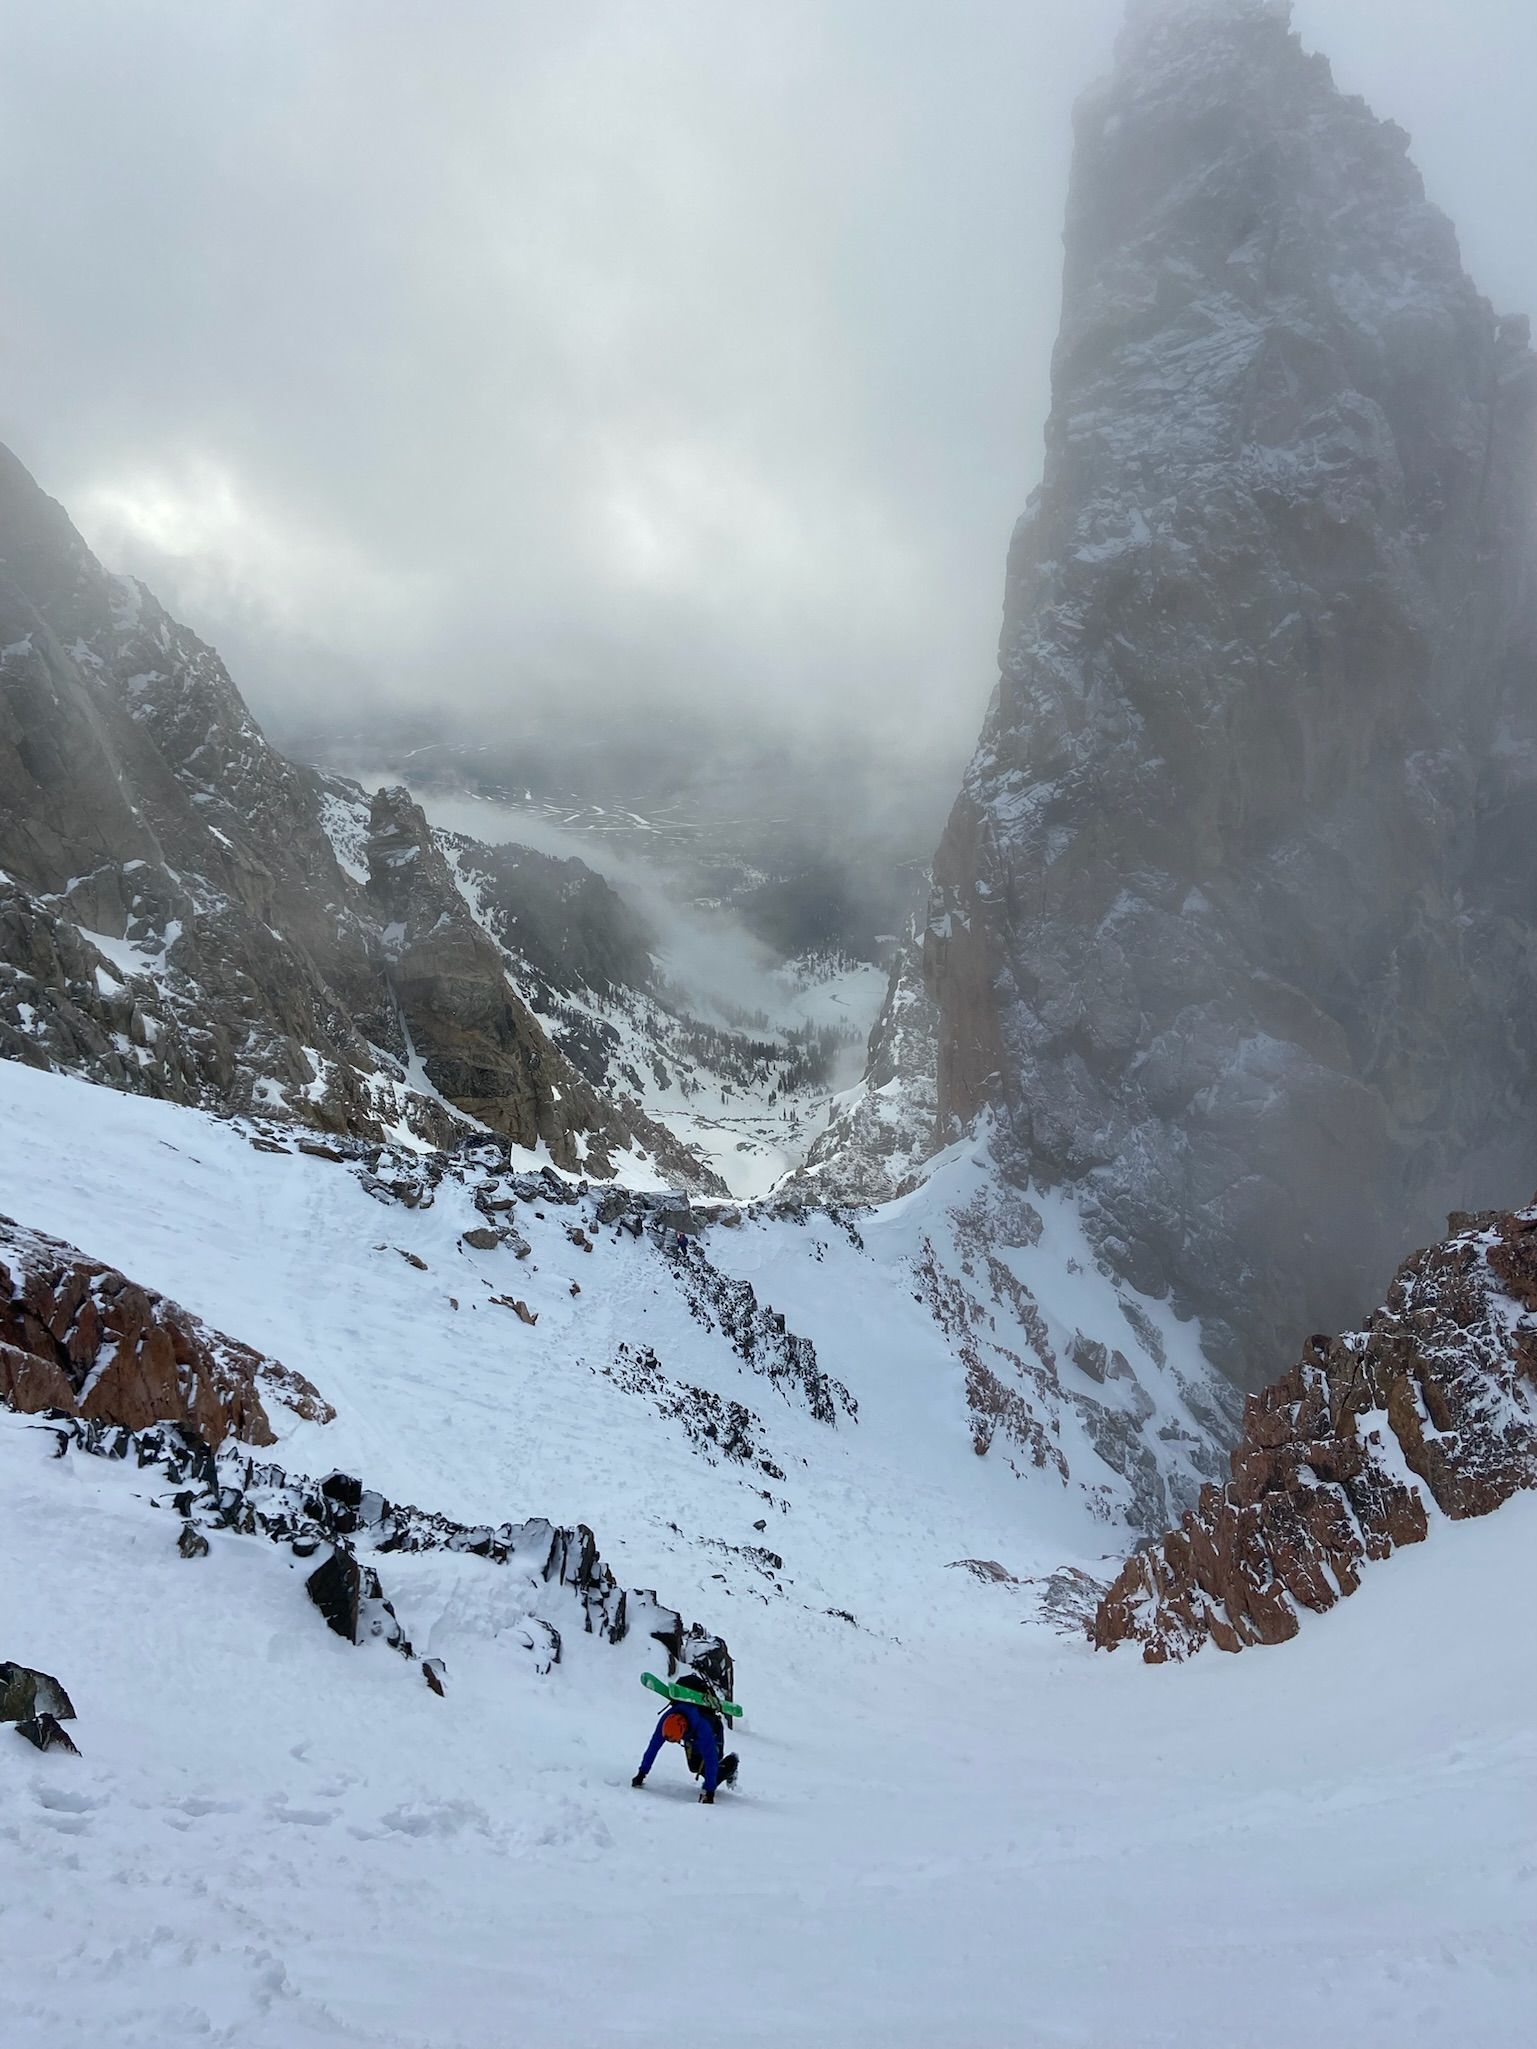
(564, 1582)
(1429, 1411)
(478, 1043)
(78, 1338)
(741, 1086)
(1235, 911)
(184, 913)
(882, 1131)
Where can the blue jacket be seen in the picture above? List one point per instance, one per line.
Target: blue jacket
(700, 1736)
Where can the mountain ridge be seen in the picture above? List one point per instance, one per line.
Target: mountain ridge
(174, 917)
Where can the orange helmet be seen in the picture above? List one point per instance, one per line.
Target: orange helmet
(675, 1728)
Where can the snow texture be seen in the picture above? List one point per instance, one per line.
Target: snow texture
(953, 1823)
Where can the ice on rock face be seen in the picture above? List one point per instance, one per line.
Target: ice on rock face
(1234, 909)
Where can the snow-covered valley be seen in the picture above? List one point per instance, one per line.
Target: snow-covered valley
(947, 1807)
(738, 1052)
(746, 1120)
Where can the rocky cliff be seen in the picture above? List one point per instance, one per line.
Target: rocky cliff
(881, 1132)
(1233, 918)
(77, 1338)
(1432, 1406)
(176, 920)
(480, 1044)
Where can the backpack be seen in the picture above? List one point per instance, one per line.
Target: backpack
(717, 1724)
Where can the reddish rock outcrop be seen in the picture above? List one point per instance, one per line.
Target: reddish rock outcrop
(1436, 1397)
(79, 1337)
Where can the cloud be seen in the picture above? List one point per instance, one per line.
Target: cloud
(622, 354)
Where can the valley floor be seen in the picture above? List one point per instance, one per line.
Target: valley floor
(954, 1825)
(749, 1143)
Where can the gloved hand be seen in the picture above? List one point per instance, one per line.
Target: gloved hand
(639, 1779)
(707, 1799)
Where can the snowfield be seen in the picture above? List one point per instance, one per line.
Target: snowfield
(954, 1824)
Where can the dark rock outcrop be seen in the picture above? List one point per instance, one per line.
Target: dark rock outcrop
(715, 1426)
(1233, 920)
(26, 1694)
(229, 1491)
(80, 1339)
(350, 1597)
(568, 927)
(64, 1005)
(45, 1732)
(760, 1338)
(1435, 1397)
(483, 1239)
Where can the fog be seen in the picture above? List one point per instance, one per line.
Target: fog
(711, 962)
(531, 362)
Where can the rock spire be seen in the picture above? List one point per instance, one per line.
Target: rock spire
(1233, 918)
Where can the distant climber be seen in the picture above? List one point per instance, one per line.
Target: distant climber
(701, 1732)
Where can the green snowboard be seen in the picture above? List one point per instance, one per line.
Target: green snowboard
(668, 1691)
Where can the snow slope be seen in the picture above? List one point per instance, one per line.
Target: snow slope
(954, 1823)
(446, 1399)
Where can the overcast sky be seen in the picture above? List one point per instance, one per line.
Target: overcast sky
(523, 352)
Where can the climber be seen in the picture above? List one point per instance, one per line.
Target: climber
(701, 1733)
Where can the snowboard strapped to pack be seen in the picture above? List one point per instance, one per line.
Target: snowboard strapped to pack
(697, 1692)
(701, 1695)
